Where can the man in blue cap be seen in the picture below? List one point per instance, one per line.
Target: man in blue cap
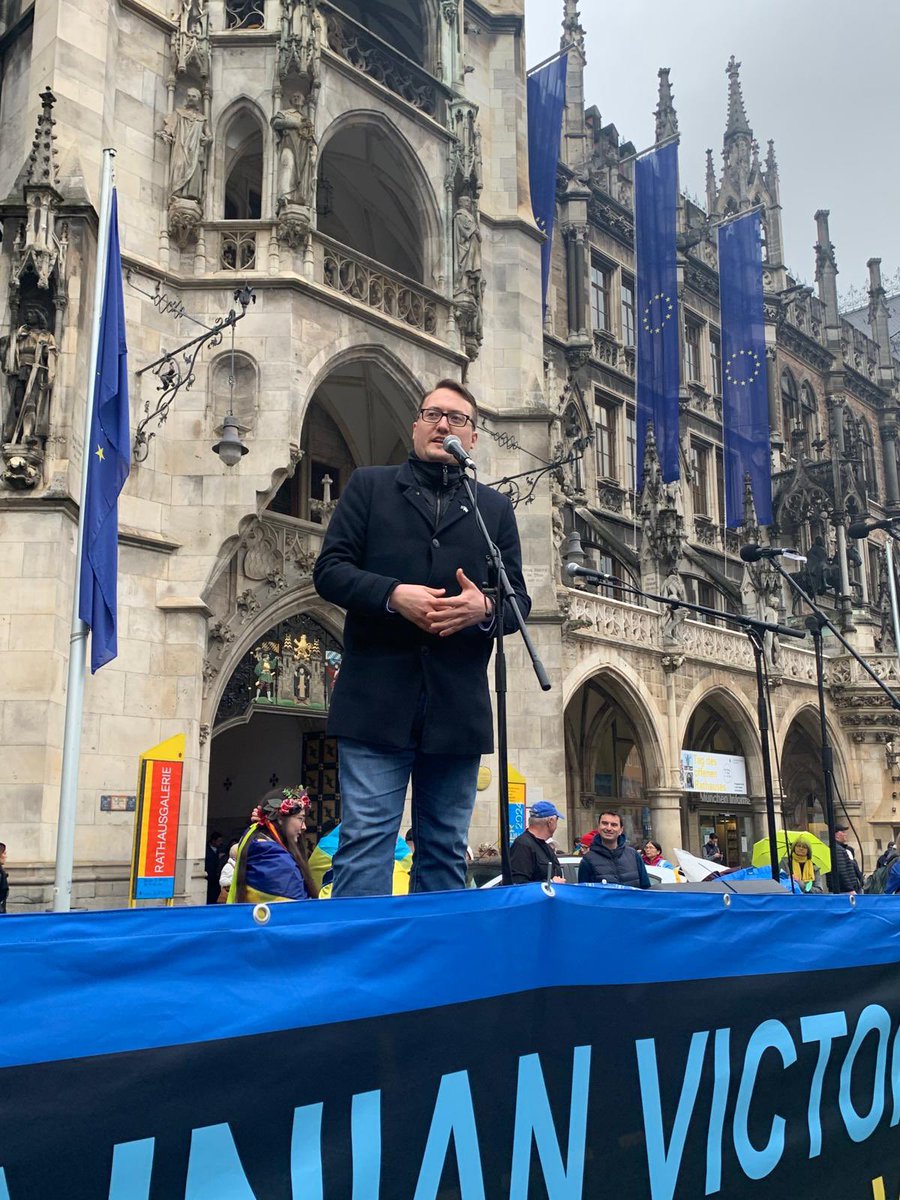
(531, 858)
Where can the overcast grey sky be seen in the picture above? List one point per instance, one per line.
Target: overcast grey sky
(818, 76)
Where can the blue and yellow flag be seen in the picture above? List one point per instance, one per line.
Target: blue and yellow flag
(322, 871)
(745, 395)
(107, 461)
(272, 874)
(546, 101)
(658, 342)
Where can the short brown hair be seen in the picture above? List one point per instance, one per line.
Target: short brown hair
(453, 385)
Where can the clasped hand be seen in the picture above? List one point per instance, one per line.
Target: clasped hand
(435, 612)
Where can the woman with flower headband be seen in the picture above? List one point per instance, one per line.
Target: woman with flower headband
(271, 859)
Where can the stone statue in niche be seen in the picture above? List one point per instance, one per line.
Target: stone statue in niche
(297, 153)
(187, 132)
(468, 285)
(467, 245)
(29, 361)
(673, 618)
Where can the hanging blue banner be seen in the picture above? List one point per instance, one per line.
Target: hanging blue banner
(745, 395)
(107, 460)
(432, 1046)
(658, 342)
(546, 101)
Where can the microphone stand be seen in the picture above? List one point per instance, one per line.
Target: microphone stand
(503, 595)
(816, 623)
(754, 628)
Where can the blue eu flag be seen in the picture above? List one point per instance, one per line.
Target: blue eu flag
(658, 344)
(546, 101)
(745, 397)
(108, 460)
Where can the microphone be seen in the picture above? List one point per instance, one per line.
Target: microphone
(573, 570)
(753, 553)
(862, 529)
(454, 446)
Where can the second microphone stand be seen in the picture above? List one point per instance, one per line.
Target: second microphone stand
(754, 628)
(816, 623)
(503, 595)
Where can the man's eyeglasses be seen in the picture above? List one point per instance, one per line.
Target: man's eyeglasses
(456, 420)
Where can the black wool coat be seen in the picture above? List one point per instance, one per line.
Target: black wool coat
(383, 533)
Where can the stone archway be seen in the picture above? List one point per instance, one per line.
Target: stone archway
(720, 774)
(612, 757)
(269, 725)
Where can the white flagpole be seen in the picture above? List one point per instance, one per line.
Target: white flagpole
(68, 790)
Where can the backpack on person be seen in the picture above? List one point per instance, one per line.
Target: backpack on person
(877, 881)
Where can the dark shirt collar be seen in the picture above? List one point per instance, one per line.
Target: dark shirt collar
(435, 475)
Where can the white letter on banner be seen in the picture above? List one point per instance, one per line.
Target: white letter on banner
(822, 1029)
(534, 1119)
(895, 1080)
(132, 1167)
(4, 1190)
(365, 1138)
(663, 1165)
(214, 1168)
(757, 1164)
(872, 1019)
(722, 1061)
(453, 1115)
(306, 1153)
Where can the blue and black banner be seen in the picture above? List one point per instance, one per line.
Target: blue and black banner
(501, 1045)
(745, 397)
(546, 102)
(658, 341)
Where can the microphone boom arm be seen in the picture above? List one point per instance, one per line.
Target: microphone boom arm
(829, 624)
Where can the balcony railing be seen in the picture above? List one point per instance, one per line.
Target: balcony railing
(613, 354)
(381, 62)
(239, 245)
(613, 620)
(360, 278)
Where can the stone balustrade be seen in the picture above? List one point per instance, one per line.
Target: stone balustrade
(368, 282)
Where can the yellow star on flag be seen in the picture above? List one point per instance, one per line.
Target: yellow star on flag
(99, 453)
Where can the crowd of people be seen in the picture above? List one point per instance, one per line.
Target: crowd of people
(270, 860)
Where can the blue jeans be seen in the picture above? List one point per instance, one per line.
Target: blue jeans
(373, 790)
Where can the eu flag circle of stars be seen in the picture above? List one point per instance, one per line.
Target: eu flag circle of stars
(666, 307)
(751, 368)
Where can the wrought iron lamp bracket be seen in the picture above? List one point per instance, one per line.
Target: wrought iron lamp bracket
(175, 371)
(524, 494)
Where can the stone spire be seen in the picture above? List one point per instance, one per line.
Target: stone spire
(771, 166)
(736, 124)
(751, 521)
(575, 150)
(41, 170)
(826, 276)
(572, 27)
(666, 117)
(712, 190)
(879, 324)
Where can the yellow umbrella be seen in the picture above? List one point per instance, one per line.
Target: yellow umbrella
(819, 852)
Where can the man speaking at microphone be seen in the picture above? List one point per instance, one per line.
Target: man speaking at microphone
(404, 556)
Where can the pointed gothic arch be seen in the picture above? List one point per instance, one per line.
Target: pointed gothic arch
(383, 203)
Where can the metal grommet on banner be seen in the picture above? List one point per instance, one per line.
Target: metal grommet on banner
(262, 914)
(726, 900)
(852, 899)
(548, 889)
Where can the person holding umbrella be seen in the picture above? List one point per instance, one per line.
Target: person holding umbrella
(817, 854)
(799, 866)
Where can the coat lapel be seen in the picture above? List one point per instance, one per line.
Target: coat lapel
(412, 493)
